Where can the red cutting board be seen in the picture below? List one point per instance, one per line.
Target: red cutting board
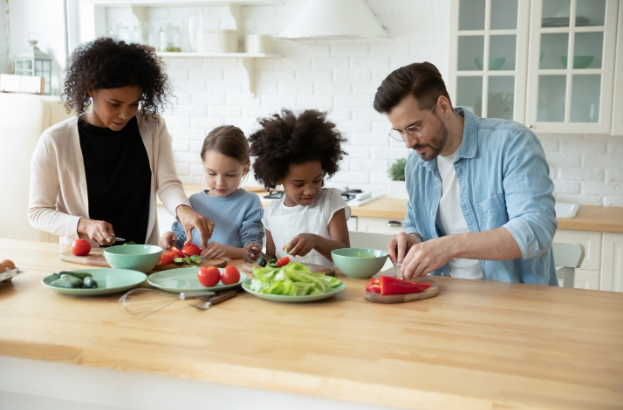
(95, 258)
(428, 293)
(327, 270)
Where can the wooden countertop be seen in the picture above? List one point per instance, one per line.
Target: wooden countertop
(589, 218)
(477, 345)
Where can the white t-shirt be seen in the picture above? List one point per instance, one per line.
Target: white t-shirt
(450, 217)
(285, 222)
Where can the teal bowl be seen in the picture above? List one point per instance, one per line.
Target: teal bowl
(578, 61)
(360, 263)
(142, 258)
(495, 63)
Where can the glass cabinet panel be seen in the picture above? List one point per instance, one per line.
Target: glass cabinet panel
(590, 13)
(502, 52)
(552, 93)
(554, 48)
(588, 50)
(472, 15)
(471, 51)
(556, 13)
(469, 94)
(585, 94)
(503, 14)
(501, 97)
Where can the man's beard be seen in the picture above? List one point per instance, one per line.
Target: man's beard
(436, 144)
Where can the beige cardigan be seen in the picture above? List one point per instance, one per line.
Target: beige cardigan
(58, 187)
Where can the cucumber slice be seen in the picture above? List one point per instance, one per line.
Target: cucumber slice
(195, 259)
(178, 261)
(187, 260)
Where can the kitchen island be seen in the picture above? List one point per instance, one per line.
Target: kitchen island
(477, 345)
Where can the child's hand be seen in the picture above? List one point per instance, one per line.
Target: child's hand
(167, 240)
(251, 252)
(301, 244)
(214, 250)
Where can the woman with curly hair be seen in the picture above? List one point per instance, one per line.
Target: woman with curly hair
(96, 175)
(299, 152)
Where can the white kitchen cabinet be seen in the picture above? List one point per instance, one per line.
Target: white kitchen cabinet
(617, 117)
(588, 274)
(612, 262)
(379, 225)
(550, 62)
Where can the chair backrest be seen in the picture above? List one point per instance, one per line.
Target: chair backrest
(569, 256)
(369, 240)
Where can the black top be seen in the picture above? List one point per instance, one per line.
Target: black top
(118, 178)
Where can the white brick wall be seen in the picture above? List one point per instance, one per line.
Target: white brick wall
(341, 77)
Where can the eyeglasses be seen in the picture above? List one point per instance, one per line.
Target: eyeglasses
(412, 131)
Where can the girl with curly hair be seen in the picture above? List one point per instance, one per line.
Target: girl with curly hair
(299, 152)
(238, 231)
(96, 175)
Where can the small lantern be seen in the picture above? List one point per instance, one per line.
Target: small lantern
(34, 62)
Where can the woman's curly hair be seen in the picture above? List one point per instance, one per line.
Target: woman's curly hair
(108, 63)
(287, 139)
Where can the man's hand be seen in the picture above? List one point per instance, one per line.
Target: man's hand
(191, 219)
(426, 257)
(400, 244)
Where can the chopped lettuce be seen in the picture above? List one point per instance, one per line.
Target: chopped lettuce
(294, 279)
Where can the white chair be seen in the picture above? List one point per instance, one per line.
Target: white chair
(568, 256)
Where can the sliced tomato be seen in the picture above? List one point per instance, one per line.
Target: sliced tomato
(283, 261)
(191, 250)
(178, 252)
(166, 258)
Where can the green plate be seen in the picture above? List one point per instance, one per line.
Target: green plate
(108, 280)
(185, 280)
(291, 299)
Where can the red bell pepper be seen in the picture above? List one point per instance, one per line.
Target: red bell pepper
(283, 261)
(393, 286)
(374, 288)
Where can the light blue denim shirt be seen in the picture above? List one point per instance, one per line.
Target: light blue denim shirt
(503, 182)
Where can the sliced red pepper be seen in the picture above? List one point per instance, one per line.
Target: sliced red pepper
(370, 287)
(375, 281)
(393, 286)
(283, 261)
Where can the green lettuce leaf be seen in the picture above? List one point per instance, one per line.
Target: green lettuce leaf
(294, 279)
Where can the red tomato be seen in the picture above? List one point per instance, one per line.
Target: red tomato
(191, 250)
(231, 275)
(283, 261)
(81, 247)
(166, 258)
(209, 276)
(178, 252)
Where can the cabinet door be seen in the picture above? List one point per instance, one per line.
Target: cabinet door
(488, 52)
(379, 225)
(571, 65)
(588, 274)
(612, 262)
(617, 106)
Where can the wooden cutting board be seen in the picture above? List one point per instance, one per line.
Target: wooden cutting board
(96, 258)
(327, 270)
(428, 293)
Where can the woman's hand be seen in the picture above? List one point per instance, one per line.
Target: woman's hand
(98, 231)
(301, 244)
(214, 250)
(191, 219)
(251, 252)
(167, 240)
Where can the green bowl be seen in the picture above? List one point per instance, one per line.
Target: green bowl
(360, 263)
(578, 61)
(142, 258)
(495, 63)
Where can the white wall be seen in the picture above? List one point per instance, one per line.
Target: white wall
(4, 58)
(46, 18)
(341, 77)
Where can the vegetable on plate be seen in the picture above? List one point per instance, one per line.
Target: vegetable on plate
(293, 279)
(390, 285)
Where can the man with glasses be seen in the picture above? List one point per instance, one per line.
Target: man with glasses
(480, 196)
